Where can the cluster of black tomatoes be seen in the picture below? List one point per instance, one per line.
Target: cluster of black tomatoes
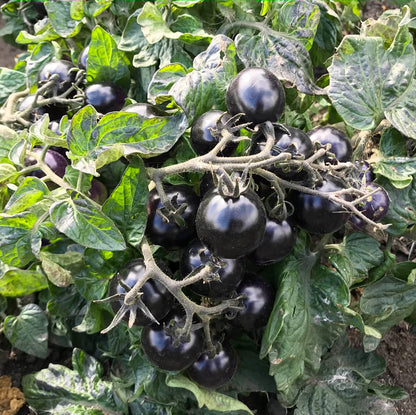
(232, 229)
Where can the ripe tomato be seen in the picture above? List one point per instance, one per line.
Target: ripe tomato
(231, 227)
(169, 234)
(257, 93)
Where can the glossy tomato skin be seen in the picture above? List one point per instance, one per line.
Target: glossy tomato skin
(62, 68)
(155, 296)
(340, 143)
(258, 303)
(105, 97)
(279, 239)
(316, 214)
(158, 346)
(202, 140)
(169, 234)
(98, 192)
(82, 58)
(294, 141)
(214, 372)
(375, 207)
(54, 160)
(196, 255)
(258, 94)
(231, 227)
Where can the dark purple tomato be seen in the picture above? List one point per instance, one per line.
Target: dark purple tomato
(295, 142)
(39, 6)
(317, 214)
(144, 109)
(279, 239)
(376, 205)
(169, 234)
(82, 58)
(105, 97)
(257, 93)
(258, 303)
(202, 140)
(98, 192)
(231, 227)
(55, 161)
(64, 70)
(196, 255)
(155, 296)
(158, 346)
(365, 172)
(206, 184)
(340, 143)
(213, 372)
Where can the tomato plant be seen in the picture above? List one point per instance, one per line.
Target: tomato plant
(269, 131)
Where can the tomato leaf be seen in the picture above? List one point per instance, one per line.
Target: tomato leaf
(81, 390)
(298, 18)
(355, 257)
(305, 320)
(212, 400)
(60, 17)
(367, 81)
(10, 82)
(30, 191)
(344, 385)
(28, 331)
(127, 204)
(16, 282)
(105, 63)
(15, 237)
(83, 222)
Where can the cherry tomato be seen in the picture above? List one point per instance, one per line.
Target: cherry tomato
(258, 303)
(202, 140)
(279, 239)
(213, 372)
(105, 97)
(61, 68)
(169, 234)
(158, 345)
(196, 255)
(231, 227)
(155, 296)
(257, 93)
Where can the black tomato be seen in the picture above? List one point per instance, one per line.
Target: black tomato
(340, 143)
(55, 111)
(98, 192)
(62, 68)
(279, 239)
(169, 234)
(317, 214)
(258, 303)
(82, 58)
(196, 255)
(158, 345)
(202, 140)
(155, 296)
(374, 207)
(257, 93)
(295, 141)
(364, 174)
(144, 109)
(213, 372)
(54, 160)
(231, 227)
(105, 97)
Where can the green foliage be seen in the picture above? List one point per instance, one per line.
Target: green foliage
(180, 56)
